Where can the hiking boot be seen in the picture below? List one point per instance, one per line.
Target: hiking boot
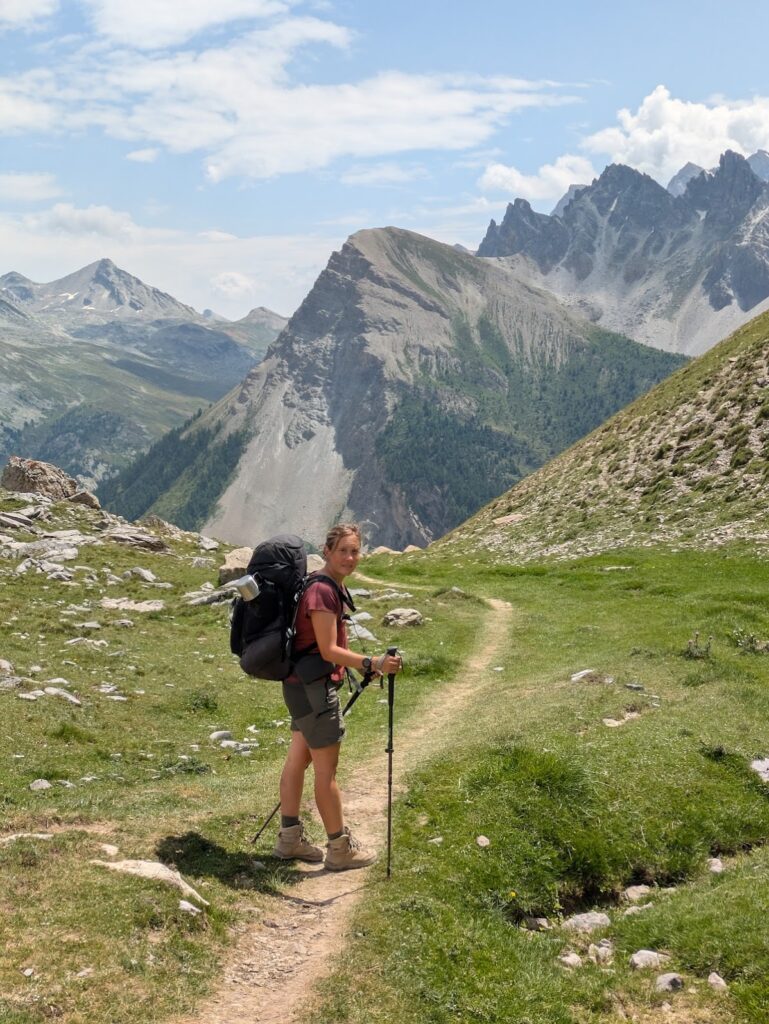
(293, 844)
(346, 852)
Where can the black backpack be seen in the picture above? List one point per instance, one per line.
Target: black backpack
(262, 630)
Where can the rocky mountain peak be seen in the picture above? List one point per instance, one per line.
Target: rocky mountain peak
(100, 289)
(653, 263)
(759, 164)
(727, 193)
(565, 199)
(679, 181)
(18, 289)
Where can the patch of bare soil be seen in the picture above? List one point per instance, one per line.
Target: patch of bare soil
(274, 963)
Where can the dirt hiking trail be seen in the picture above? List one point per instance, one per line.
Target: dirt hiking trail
(269, 972)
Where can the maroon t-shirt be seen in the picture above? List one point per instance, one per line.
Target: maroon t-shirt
(320, 596)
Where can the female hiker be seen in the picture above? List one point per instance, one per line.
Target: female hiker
(317, 726)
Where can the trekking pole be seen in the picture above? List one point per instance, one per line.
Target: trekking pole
(356, 693)
(389, 751)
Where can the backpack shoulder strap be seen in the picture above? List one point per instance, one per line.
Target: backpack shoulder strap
(344, 594)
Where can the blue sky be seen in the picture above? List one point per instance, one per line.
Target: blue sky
(221, 149)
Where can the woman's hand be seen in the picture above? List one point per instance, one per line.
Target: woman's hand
(387, 664)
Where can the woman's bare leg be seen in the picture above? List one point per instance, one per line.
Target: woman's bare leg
(292, 778)
(327, 795)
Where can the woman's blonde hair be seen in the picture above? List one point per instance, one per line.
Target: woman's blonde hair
(336, 533)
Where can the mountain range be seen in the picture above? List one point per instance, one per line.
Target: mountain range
(414, 383)
(675, 268)
(97, 365)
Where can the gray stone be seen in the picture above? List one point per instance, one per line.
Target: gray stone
(570, 960)
(140, 574)
(537, 924)
(601, 953)
(403, 617)
(634, 893)
(715, 865)
(85, 498)
(589, 922)
(221, 734)
(9, 683)
(39, 785)
(717, 982)
(56, 691)
(761, 766)
(31, 476)
(208, 544)
(669, 982)
(234, 565)
(153, 870)
(6, 668)
(645, 959)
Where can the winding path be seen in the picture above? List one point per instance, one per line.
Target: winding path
(273, 964)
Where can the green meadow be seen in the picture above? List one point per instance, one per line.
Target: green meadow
(574, 810)
(577, 810)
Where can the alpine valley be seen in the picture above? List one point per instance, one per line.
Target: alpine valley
(96, 366)
(417, 381)
(413, 384)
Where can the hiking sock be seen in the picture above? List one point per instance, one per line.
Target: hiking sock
(336, 835)
(286, 821)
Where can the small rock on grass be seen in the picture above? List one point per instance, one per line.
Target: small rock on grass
(717, 982)
(587, 922)
(669, 982)
(6, 668)
(715, 865)
(483, 841)
(189, 908)
(536, 924)
(646, 959)
(220, 734)
(634, 893)
(39, 785)
(571, 960)
(601, 953)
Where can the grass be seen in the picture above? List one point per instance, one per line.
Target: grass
(143, 775)
(575, 811)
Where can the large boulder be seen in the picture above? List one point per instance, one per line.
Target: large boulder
(32, 477)
(234, 565)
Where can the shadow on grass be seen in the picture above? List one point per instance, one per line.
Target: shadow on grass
(193, 854)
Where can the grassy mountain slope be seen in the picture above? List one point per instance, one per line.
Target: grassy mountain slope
(688, 463)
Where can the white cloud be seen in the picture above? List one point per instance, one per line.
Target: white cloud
(28, 188)
(237, 104)
(234, 285)
(153, 24)
(21, 110)
(382, 174)
(95, 221)
(22, 13)
(217, 236)
(550, 181)
(143, 156)
(665, 132)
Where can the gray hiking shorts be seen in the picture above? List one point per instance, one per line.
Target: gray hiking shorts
(315, 712)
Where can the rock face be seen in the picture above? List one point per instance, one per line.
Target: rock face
(31, 477)
(678, 268)
(413, 381)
